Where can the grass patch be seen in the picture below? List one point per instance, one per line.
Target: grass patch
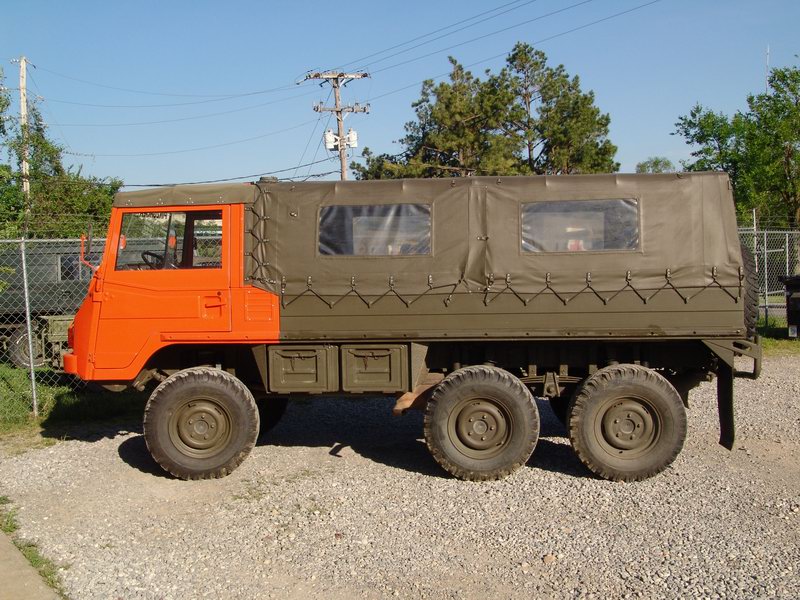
(44, 566)
(775, 339)
(61, 406)
(8, 516)
(780, 346)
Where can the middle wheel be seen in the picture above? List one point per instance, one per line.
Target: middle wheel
(481, 423)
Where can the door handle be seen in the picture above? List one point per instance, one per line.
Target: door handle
(214, 301)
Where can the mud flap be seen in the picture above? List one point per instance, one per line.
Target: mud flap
(727, 431)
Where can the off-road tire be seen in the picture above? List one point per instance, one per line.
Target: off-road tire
(627, 423)
(200, 423)
(481, 423)
(270, 412)
(750, 292)
(18, 350)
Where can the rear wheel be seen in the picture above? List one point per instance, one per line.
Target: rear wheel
(627, 423)
(200, 423)
(481, 423)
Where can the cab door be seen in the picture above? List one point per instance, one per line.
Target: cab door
(167, 280)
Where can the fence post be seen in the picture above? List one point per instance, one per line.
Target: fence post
(766, 282)
(26, 294)
(786, 247)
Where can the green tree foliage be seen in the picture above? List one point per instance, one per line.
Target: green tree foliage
(57, 192)
(759, 148)
(655, 164)
(528, 119)
(561, 128)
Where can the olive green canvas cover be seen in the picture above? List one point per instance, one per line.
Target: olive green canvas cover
(688, 225)
(187, 195)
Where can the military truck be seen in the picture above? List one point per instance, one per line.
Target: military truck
(610, 295)
(57, 283)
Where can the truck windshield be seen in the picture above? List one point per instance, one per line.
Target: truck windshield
(170, 240)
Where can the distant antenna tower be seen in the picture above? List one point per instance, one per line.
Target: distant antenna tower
(766, 78)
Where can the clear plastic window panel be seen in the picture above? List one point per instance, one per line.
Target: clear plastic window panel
(375, 230)
(580, 226)
(170, 240)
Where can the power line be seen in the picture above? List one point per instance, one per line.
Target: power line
(39, 95)
(313, 132)
(563, 33)
(222, 99)
(250, 139)
(53, 180)
(252, 176)
(481, 37)
(121, 89)
(535, 43)
(320, 143)
(204, 116)
(423, 36)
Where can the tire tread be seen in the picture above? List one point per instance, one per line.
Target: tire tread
(477, 374)
(599, 381)
(206, 375)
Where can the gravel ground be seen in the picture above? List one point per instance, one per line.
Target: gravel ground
(344, 501)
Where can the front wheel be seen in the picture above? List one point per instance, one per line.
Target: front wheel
(200, 423)
(481, 423)
(627, 423)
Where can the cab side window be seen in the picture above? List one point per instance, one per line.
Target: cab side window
(581, 226)
(170, 240)
(375, 230)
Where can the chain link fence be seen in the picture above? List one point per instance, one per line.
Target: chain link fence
(776, 255)
(42, 283)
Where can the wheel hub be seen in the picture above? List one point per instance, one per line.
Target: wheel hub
(481, 426)
(628, 425)
(201, 426)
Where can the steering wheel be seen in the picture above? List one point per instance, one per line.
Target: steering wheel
(153, 260)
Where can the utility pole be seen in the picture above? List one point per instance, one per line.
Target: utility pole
(26, 193)
(337, 81)
(23, 121)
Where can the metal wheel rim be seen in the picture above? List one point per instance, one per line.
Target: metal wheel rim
(480, 428)
(200, 427)
(627, 427)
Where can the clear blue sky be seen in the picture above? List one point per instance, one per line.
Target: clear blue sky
(646, 68)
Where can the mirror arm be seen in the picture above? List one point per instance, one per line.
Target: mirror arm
(83, 254)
